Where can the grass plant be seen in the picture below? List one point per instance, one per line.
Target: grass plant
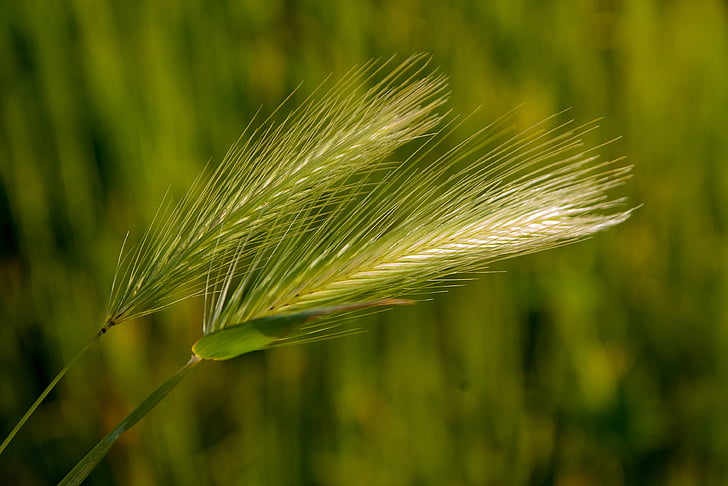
(310, 221)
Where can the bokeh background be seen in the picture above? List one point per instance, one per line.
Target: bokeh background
(604, 362)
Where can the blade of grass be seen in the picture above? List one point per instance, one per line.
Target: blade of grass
(84, 467)
(45, 393)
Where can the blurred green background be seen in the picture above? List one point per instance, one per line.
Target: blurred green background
(604, 362)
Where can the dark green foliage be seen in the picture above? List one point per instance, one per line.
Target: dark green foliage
(602, 363)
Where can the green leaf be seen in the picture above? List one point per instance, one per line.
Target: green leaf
(261, 333)
(84, 467)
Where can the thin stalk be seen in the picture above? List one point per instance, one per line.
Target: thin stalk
(84, 467)
(48, 389)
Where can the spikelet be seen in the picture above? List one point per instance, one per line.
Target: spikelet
(269, 175)
(399, 233)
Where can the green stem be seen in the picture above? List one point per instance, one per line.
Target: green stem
(45, 393)
(84, 467)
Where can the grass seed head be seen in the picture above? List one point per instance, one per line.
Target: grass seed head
(273, 174)
(403, 229)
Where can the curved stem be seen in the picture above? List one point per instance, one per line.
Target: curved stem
(45, 393)
(84, 467)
